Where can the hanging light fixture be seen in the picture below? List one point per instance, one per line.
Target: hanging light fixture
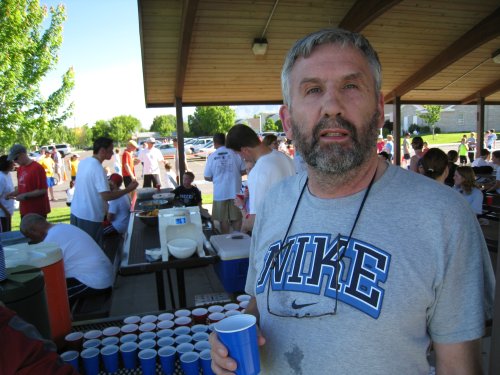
(496, 56)
(259, 46)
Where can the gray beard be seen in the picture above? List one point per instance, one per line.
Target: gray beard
(335, 159)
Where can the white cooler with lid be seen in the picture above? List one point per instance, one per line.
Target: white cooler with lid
(233, 250)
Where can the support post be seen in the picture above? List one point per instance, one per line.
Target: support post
(396, 128)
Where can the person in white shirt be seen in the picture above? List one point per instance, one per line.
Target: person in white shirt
(6, 187)
(270, 167)
(92, 190)
(225, 168)
(87, 269)
(151, 158)
(483, 160)
(118, 214)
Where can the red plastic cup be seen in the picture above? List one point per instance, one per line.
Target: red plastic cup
(74, 341)
(489, 200)
(200, 315)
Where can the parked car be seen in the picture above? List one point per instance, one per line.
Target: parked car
(167, 150)
(200, 142)
(63, 148)
(206, 150)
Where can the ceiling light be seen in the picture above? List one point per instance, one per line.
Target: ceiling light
(259, 46)
(496, 56)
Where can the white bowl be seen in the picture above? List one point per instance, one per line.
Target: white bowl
(182, 247)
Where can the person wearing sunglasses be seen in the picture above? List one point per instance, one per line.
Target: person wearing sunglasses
(31, 190)
(336, 288)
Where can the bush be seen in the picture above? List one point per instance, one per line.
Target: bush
(425, 129)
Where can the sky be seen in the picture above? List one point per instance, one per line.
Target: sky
(101, 43)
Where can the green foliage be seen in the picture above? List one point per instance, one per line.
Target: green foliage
(432, 115)
(211, 120)
(279, 125)
(119, 128)
(164, 124)
(28, 52)
(270, 126)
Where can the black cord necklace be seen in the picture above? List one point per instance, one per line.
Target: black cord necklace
(355, 220)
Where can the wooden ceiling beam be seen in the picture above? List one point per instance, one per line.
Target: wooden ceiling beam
(484, 92)
(483, 32)
(186, 32)
(364, 12)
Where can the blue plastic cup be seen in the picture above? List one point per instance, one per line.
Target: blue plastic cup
(200, 336)
(199, 328)
(239, 334)
(201, 346)
(92, 343)
(206, 362)
(166, 341)
(167, 359)
(129, 354)
(184, 348)
(90, 358)
(147, 344)
(148, 361)
(109, 355)
(183, 339)
(130, 337)
(165, 333)
(147, 336)
(190, 363)
(71, 357)
(112, 340)
(182, 331)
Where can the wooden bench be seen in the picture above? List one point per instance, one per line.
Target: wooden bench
(97, 306)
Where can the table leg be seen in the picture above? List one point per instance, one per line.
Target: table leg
(170, 289)
(160, 290)
(181, 286)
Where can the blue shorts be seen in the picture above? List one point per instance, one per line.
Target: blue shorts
(50, 181)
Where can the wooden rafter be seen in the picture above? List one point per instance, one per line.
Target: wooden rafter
(484, 92)
(483, 32)
(364, 12)
(188, 17)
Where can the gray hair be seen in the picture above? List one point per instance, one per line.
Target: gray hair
(305, 46)
(29, 221)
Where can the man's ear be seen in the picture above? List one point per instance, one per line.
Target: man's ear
(286, 121)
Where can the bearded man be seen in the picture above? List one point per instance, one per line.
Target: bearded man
(337, 288)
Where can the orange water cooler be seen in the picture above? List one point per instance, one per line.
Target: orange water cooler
(49, 258)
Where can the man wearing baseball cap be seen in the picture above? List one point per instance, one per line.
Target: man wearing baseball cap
(129, 162)
(151, 157)
(31, 191)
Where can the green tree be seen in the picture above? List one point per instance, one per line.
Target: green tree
(431, 116)
(83, 136)
(270, 126)
(122, 128)
(164, 124)
(28, 52)
(102, 128)
(211, 120)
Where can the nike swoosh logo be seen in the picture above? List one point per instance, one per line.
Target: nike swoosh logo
(297, 306)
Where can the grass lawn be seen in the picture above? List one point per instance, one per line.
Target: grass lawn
(57, 215)
(442, 138)
(61, 214)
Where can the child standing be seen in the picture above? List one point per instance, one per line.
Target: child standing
(462, 151)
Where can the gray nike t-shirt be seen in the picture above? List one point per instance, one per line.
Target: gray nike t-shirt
(402, 283)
